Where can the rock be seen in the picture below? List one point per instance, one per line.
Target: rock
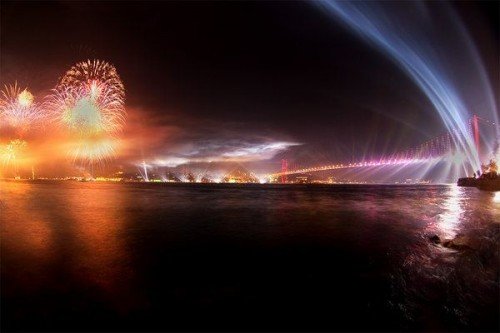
(459, 243)
(435, 239)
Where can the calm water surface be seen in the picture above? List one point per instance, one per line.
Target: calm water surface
(97, 256)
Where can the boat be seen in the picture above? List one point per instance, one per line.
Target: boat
(489, 180)
(489, 184)
(467, 182)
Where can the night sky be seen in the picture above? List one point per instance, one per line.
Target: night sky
(204, 78)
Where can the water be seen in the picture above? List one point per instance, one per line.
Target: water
(98, 256)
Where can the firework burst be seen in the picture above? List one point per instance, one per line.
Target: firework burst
(12, 154)
(84, 73)
(89, 99)
(18, 109)
(89, 102)
(11, 151)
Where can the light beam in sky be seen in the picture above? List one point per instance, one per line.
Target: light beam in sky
(408, 35)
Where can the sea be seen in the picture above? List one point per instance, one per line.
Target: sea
(96, 256)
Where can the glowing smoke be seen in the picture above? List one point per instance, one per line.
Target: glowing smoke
(408, 34)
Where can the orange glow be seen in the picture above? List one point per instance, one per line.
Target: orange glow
(99, 225)
(92, 219)
(92, 149)
(28, 229)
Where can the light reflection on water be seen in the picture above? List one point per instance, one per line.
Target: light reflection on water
(25, 230)
(97, 223)
(130, 249)
(451, 216)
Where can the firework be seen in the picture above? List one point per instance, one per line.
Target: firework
(88, 110)
(84, 73)
(89, 103)
(89, 99)
(18, 109)
(93, 149)
(12, 151)
(11, 154)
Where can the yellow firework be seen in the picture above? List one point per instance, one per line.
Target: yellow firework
(12, 151)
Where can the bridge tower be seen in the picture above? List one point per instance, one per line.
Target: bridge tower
(284, 170)
(475, 132)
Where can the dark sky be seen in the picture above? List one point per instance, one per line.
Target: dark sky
(248, 72)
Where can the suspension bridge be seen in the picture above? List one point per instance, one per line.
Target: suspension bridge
(433, 149)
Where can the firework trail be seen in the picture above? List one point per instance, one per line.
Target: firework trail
(18, 109)
(93, 149)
